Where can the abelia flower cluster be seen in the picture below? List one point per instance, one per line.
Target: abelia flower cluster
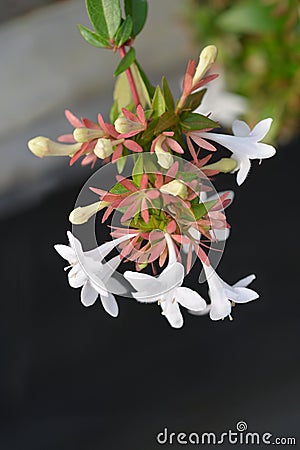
(169, 215)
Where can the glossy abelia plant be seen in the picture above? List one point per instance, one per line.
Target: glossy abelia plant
(160, 206)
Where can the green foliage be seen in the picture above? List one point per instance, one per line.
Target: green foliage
(138, 170)
(194, 100)
(201, 209)
(259, 47)
(122, 93)
(124, 32)
(169, 99)
(114, 112)
(138, 10)
(126, 62)
(249, 17)
(166, 122)
(194, 121)
(93, 38)
(105, 16)
(158, 103)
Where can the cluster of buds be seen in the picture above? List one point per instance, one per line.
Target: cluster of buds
(169, 214)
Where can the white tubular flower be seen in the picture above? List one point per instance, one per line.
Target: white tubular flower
(222, 294)
(87, 134)
(206, 59)
(176, 188)
(245, 144)
(166, 289)
(103, 148)
(42, 146)
(82, 214)
(89, 272)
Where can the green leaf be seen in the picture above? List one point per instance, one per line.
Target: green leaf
(196, 121)
(148, 133)
(124, 32)
(148, 113)
(118, 188)
(122, 92)
(105, 16)
(138, 10)
(150, 88)
(202, 209)
(249, 17)
(169, 99)
(167, 120)
(187, 176)
(158, 103)
(114, 112)
(93, 38)
(194, 100)
(126, 62)
(138, 170)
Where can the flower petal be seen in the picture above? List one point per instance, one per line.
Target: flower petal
(241, 294)
(244, 282)
(220, 235)
(240, 128)
(76, 277)
(189, 299)
(172, 313)
(220, 309)
(141, 281)
(88, 294)
(172, 276)
(110, 305)
(261, 129)
(66, 252)
(262, 151)
(244, 165)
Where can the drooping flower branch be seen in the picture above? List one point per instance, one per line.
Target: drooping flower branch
(169, 215)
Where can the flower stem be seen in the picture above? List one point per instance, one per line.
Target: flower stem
(130, 79)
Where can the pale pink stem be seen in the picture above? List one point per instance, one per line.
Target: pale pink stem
(130, 79)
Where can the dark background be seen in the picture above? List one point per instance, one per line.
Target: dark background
(75, 378)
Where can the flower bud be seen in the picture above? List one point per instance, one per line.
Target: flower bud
(124, 125)
(206, 59)
(225, 165)
(42, 146)
(103, 148)
(87, 134)
(82, 214)
(164, 158)
(176, 188)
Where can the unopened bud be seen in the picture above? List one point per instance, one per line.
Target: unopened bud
(124, 125)
(103, 148)
(225, 165)
(87, 134)
(42, 146)
(82, 214)
(206, 59)
(165, 159)
(176, 188)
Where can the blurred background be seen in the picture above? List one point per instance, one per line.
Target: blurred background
(74, 378)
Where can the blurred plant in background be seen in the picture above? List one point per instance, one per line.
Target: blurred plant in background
(259, 47)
